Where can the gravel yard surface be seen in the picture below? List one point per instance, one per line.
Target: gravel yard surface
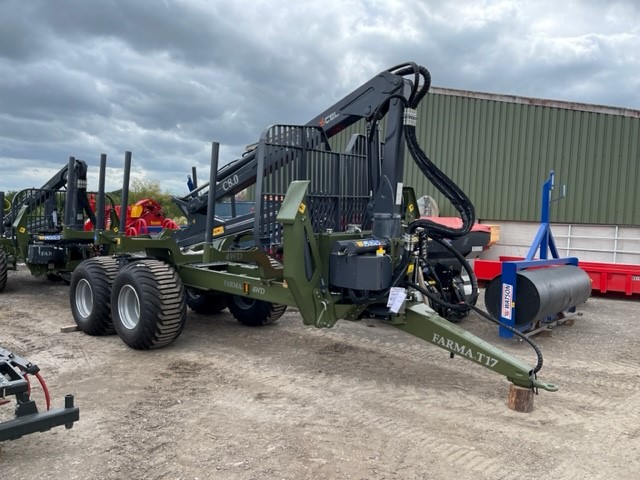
(359, 401)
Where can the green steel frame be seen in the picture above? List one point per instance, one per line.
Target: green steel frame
(252, 274)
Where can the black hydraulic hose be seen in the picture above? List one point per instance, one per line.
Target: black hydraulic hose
(516, 332)
(439, 179)
(406, 69)
(426, 85)
(470, 304)
(436, 279)
(465, 264)
(485, 315)
(452, 306)
(418, 91)
(446, 186)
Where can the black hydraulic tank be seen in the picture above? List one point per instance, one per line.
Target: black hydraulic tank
(541, 292)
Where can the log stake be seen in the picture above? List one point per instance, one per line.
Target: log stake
(520, 399)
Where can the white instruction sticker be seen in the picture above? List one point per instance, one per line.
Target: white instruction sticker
(397, 296)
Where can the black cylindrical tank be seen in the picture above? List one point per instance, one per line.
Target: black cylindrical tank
(541, 292)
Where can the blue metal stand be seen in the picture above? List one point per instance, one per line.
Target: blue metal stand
(544, 243)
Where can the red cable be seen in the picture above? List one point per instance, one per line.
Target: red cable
(26, 377)
(45, 389)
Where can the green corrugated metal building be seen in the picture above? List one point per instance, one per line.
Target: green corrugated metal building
(500, 149)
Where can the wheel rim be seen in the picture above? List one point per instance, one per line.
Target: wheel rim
(129, 307)
(192, 294)
(243, 302)
(84, 298)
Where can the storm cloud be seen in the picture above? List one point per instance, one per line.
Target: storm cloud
(165, 78)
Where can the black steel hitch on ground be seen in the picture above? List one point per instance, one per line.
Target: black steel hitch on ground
(14, 371)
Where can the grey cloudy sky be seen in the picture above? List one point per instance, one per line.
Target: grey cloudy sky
(164, 78)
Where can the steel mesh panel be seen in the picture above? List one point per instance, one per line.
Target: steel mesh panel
(339, 183)
(324, 211)
(355, 189)
(45, 209)
(270, 230)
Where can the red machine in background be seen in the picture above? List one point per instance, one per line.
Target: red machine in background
(143, 217)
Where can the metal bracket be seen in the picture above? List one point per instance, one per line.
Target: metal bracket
(13, 370)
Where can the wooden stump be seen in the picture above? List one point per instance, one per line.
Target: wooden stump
(520, 399)
(69, 328)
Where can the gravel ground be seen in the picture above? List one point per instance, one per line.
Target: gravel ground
(361, 400)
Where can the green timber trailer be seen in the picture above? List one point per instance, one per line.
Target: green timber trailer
(336, 235)
(44, 227)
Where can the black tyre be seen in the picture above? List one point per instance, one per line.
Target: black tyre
(3, 270)
(54, 277)
(90, 295)
(205, 303)
(254, 313)
(148, 304)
